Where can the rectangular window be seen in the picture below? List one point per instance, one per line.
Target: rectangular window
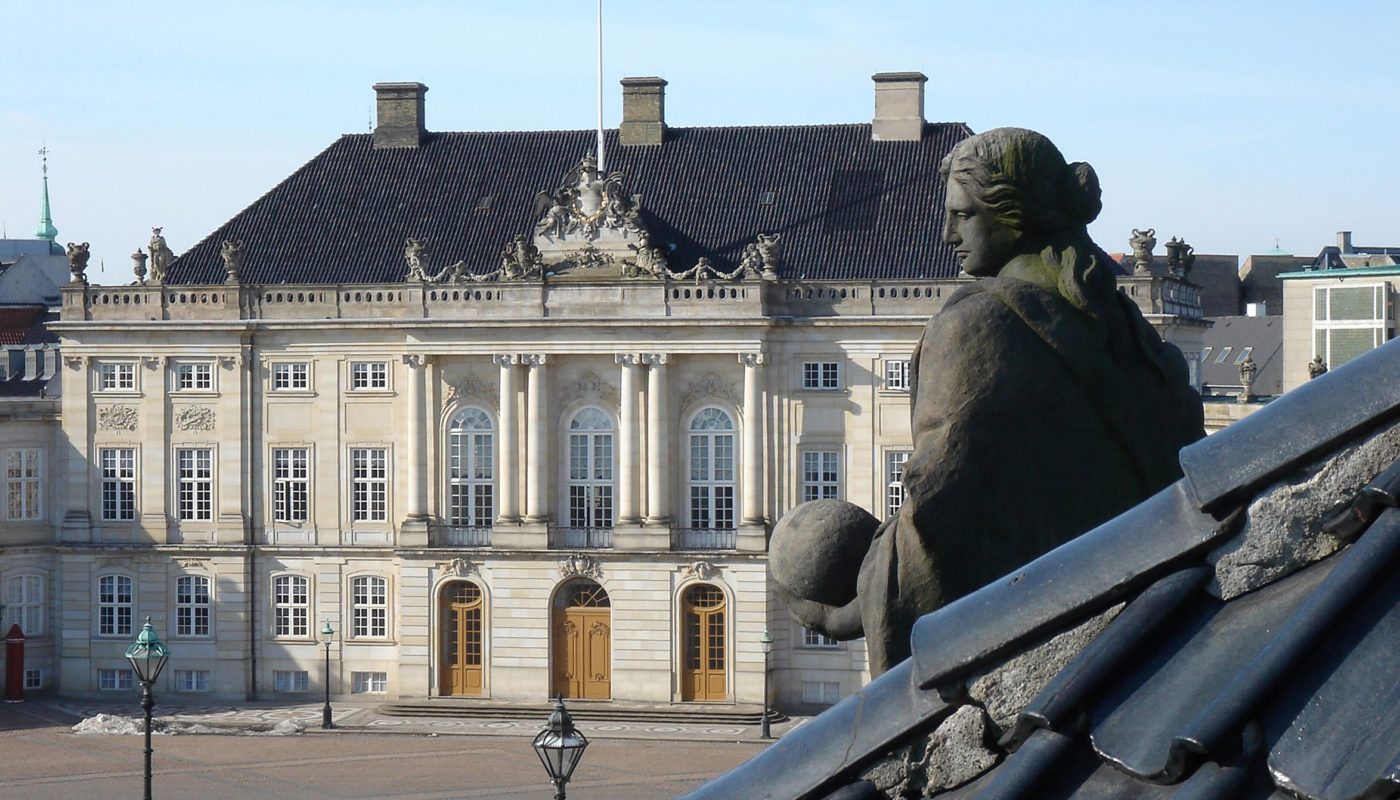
(1224, 354)
(290, 484)
(192, 606)
(894, 480)
(369, 375)
(370, 607)
(118, 483)
(194, 377)
(112, 680)
(290, 681)
(821, 475)
(897, 375)
(1349, 321)
(114, 605)
(34, 679)
(291, 611)
(369, 490)
(823, 693)
(369, 682)
(194, 470)
(811, 638)
(291, 376)
(821, 375)
(116, 377)
(24, 600)
(23, 478)
(191, 680)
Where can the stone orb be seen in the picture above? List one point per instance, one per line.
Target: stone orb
(817, 548)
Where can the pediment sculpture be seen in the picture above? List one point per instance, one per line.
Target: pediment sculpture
(586, 203)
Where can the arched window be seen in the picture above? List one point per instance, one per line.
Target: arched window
(192, 606)
(471, 453)
(711, 475)
(591, 469)
(291, 606)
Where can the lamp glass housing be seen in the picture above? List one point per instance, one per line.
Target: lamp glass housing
(147, 654)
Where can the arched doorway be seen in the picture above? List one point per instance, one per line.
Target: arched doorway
(463, 632)
(582, 662)
(704, 654)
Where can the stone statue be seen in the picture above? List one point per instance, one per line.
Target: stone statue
(1317, 367)
(585, 202)
(1247, 372)
(1043, 404)
(1142, 243)
(751, 262)
(78, 256)
(646, 260)
(770, 249)
(232, 253)
(160, 256)
(415, 252)
(138, 266)
(520, 259)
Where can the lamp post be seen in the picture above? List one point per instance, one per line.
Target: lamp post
(767, 641)
(147, 656)
(560, 747)
(327, 634)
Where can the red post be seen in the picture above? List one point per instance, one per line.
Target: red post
(14, 665)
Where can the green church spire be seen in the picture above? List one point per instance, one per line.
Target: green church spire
(46, 230)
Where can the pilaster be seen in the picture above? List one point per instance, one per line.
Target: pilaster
(658, 441)
(628, 509)
(537, 444)
(155, 452)
(413, 531)
(753, 440)
(507, 504)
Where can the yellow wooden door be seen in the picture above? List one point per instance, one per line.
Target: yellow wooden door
(583, 654)
(462, 638)
(704, 656)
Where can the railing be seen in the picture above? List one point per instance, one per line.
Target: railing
(704, 539)
(580, 538)
(466, 536)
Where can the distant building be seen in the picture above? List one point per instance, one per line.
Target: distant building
(1228, 344)
(1338, 307)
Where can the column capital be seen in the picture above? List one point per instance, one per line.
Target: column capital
(656, 359)
(505, 359)
(417, 359)
(534, 359)
(752, 359)
(628, 359)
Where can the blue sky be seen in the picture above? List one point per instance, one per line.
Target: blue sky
(1227, 123)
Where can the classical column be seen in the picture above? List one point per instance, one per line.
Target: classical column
(753, 438)
(658, 437)
(628, 512)
(507, 508)
(536, 446)
(417, 475)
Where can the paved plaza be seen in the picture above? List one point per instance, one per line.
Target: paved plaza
(41, 758)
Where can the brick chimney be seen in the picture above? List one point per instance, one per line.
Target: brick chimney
(1344, 242)
(899, 106)
(399, 115)
(643, 111)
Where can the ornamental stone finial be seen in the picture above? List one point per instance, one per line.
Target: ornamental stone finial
(1142, 243)
(78, 256)
(138, 265)
(232, 253)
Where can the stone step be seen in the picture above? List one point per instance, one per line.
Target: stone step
(589, 711)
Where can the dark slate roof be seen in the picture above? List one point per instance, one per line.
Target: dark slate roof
(1330, 257)
(1291, 689)
(1263, 334)
(848, 207)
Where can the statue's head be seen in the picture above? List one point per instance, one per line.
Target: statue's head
(1010, 192)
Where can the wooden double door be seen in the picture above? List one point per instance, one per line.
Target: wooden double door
(463, 633)
(582, 657)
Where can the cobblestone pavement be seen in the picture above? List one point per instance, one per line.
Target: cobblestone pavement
(41, 759)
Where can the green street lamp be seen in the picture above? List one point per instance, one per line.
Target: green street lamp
(764, 732)
(328, 635)
(560, 747)
(147, 656)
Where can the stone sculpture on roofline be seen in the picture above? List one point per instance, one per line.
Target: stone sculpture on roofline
(1142, 243)
(161, 256)
(78, 255)
(1042, 404)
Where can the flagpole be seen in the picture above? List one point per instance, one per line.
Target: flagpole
(601, 163)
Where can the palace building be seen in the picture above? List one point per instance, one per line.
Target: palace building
(511, 415)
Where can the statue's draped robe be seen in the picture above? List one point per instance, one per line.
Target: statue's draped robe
(1029, 427)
